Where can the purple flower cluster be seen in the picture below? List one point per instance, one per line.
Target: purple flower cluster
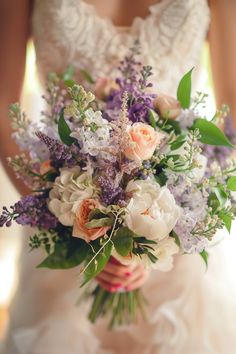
(138, 112)
(111, 193)
(31, 210)
(55, 97)
(60, 155)
(134, 80)
(194, 204)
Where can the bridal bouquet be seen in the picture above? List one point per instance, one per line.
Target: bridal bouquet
(122, 173)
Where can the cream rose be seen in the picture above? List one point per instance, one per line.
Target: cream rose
(82, 217)
(70, 188)
(168, 107)
(152, 211)
(143, 142)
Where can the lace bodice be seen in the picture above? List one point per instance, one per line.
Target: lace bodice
(70, 32)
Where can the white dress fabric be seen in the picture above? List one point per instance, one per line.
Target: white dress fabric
(191, 311)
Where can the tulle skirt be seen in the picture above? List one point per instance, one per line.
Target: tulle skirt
(191, 311)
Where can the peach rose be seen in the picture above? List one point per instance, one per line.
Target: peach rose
(104, 86)
(168, 107)
(82, 217)
(45, 167)
(143, 142)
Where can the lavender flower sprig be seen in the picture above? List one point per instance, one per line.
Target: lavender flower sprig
(31, 210)
(60, 154)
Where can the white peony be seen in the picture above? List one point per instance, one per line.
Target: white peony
(70, 188)
(164, 251)
(152, 211)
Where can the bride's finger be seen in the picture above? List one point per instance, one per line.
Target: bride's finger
(137, 283)
(119, 270)
(114, 281)
(107, 286)
(111, 278)
(137, 273)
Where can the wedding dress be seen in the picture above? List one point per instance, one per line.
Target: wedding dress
(191, 310)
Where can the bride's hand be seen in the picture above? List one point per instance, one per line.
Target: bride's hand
(116, 276)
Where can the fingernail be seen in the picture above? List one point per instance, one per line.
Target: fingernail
(128, 274)
(114, 261)
(115, 287)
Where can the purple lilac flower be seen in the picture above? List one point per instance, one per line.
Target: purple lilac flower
(183, 228)
(193, 202)
(110, 192)
(134, 81)
(55, 98)
(31, 210)
(60, 155)
(138, 112)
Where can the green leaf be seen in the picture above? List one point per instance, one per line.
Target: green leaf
(213, 202)
(171, 125)
(87, 76)
(123, 241)
(144, 240)
(161, 178)
(231, 183)
(99, 223)
(68, 74)
(227, 219)
(64, 131)
(176, 237)
(96, 213)
(50, 176)
(211, 134)
(98, 263)
(179, 141)
(69, 83)
(66, 255)
(184, 90)
(205, 257)
(221, 195)
(152, 257)
(152, 117)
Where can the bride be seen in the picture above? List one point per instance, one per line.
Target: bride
(190, 311)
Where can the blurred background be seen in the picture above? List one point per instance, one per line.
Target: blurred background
(11, 239)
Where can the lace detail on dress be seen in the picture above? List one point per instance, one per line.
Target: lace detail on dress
(69, 32)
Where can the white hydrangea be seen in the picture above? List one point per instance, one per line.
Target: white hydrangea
(70, 188)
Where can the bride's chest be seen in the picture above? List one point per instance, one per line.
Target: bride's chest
(120, 12)
(71, 32)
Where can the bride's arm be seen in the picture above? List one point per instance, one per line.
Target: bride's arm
(222, 40)
(14, 32)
